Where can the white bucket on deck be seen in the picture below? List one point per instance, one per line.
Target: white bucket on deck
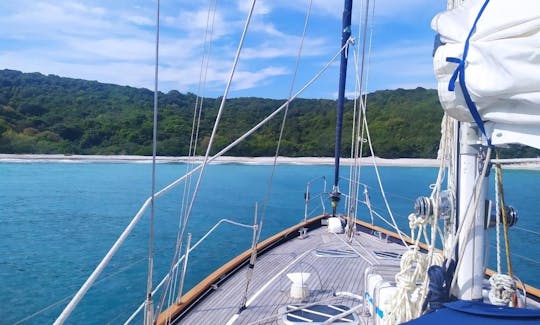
(299, 289)
(334, 225)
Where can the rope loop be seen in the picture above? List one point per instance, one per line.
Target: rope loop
(503, 290)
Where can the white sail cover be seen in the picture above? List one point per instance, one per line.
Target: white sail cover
(502, 67)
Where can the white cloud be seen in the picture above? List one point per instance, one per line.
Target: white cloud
(285, 47)
(118, 49)
(114, 41)
(195, 22)
(403, 65)
(140, 20)
(261, 7)
(390, 10)
(43, 20)
(248, 79)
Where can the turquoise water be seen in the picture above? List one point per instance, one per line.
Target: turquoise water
(59, 219)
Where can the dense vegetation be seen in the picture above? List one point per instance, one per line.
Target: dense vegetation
(51, 114)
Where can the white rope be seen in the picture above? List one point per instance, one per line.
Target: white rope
(407, 302)
(412, 281)
(503, 286)
(381, 187)
(445, 155)
(433, 258)
(502, 291)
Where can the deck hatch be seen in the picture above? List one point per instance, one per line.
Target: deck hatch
(387, 254)
(334, 253)
(316, 314)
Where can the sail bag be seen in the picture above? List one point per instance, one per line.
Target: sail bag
(488, 67)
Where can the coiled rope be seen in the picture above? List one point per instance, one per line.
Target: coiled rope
(503, 286)
(407, 302)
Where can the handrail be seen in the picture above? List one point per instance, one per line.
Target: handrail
(308, 199)
(192, 295)
(208, 233)
(112, 251)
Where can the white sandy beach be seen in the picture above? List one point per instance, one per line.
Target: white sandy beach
(528, 163)
(224, 159)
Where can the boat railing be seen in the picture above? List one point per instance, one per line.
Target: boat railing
(185, 256)
(366, 201)
(119, 241)
(319, 197)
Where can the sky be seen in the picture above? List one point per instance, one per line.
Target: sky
(114, 42)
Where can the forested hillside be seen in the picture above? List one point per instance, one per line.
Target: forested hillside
(51, 114)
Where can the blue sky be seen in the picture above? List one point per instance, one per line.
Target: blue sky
(113, 42)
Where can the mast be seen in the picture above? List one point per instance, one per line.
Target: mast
(470, 155)
(346, 34)
(470, 162)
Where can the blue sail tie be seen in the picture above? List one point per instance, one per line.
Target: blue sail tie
(459, 73)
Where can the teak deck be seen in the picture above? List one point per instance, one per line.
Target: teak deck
(269, 287)
(336, 277)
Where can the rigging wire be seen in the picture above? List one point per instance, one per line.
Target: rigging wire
(353, 169)
(361, 89)
(381, 187)
(192, 248)
(129, 228)
(282, 128)
(149, 317)
(211, 141)
(527, 230)
(249, 274)
(365, 125)
(195, 128)
(363, 99)
(60, 301)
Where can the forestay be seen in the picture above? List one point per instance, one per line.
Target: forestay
(497, 63)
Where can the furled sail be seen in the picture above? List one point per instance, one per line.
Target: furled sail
(488, 67)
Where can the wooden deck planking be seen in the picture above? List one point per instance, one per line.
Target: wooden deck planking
(327, 278)
(228, 296)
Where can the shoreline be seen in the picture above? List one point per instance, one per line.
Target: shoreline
(525, 163)
(58, 158)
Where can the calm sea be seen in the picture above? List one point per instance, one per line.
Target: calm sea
(57, 220)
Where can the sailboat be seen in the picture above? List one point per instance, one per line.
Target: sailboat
(336, 268)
